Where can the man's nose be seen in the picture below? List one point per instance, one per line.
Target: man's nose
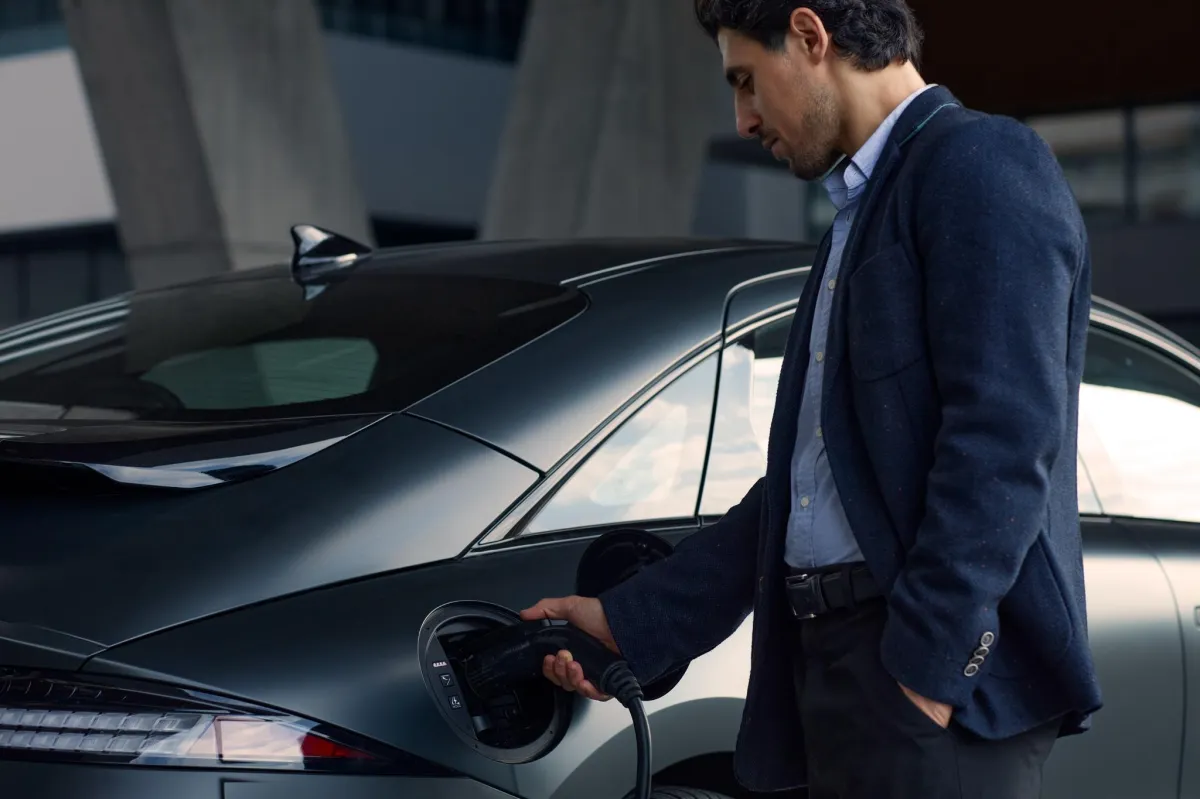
(748, 122)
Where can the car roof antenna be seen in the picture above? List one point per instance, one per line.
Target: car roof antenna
(320, 257)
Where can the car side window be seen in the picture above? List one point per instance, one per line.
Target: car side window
(648, 469)
(745, 406)
(1141, 408)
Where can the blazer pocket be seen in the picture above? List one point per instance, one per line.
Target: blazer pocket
(1035, 628)
(885, 315)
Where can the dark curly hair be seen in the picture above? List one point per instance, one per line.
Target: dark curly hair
(870, 33)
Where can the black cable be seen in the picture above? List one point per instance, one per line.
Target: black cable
(515, 653)
(641, 729)
(618, 681)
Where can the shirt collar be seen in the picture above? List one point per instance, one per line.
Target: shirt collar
(846, 179)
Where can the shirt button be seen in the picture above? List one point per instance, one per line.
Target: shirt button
(820, 357)
(804, 502)
(832, 283)
(820, 432)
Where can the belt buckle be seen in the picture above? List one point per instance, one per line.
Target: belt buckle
(810, 584)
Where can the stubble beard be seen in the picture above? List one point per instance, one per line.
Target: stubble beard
(820, 136)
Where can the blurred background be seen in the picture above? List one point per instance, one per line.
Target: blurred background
(144, 142)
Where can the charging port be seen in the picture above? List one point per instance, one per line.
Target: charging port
(513, 719)
(517, 726)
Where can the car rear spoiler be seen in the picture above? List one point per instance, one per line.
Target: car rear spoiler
(154, 455)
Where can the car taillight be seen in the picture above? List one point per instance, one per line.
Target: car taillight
(68, 717)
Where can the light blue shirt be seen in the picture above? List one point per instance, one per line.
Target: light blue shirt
(818, 532)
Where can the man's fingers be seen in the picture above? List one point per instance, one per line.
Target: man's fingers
(550, 608)
(561, 671)
(548, 669)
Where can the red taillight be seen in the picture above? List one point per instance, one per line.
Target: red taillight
(63, 717)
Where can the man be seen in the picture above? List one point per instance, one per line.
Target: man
(912, 555)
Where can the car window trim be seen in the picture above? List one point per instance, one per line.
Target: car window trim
(729, 336)
(1145, 336)
(512, 523)
(511, 526)
(686, 524)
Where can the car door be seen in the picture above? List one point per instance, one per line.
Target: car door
(1134, 632)
(1141, 402)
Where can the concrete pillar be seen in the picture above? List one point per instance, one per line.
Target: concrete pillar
(220, 128)
(613, 106)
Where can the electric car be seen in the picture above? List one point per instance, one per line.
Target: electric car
(252, 524)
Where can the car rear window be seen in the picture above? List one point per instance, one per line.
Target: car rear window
(255, 348)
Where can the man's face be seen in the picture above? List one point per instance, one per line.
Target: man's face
(783, 98)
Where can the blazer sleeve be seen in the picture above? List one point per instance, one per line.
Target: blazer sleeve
(682, 606)
(1001, 245)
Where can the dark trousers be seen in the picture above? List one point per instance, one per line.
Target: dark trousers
(867, 740)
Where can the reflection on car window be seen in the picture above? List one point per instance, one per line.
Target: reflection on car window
(745, 405)
(250, 347)
(1143, 409)
(648, 469)
(268, 373)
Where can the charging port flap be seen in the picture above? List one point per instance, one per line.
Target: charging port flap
(517, 725)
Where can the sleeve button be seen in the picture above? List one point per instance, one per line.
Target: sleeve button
(971, 670)
(988, 639)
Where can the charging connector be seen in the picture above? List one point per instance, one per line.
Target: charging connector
(515, 653)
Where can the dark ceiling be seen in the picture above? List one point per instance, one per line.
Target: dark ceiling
(1058, 55)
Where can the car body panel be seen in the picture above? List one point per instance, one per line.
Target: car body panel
(1133, 746)
(564, 261)
(1177, 549)
(552, 393)
(366, 676)
(397, 502)
(36, 647)
(97, 782)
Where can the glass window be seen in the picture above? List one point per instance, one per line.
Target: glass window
(270, 373)
(1168, 165)
(1091, 149)
(648, 469)
(745, 406)
(1142, 410)
(242, 347)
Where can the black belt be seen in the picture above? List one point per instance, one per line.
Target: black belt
(820, 591)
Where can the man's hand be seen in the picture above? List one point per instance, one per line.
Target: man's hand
(935, 710)
(587, 614)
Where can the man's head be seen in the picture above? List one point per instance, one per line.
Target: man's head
(798, 67)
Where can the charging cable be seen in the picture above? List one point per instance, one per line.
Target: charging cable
(514, 653)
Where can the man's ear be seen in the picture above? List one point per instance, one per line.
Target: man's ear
(807, 33)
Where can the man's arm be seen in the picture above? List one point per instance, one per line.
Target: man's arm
(679, 608)
(1000, 247)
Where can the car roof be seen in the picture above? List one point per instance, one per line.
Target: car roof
(547, 261)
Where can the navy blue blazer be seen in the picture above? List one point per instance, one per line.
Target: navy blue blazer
(951, 395)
